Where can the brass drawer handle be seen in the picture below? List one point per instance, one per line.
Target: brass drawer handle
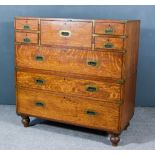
(90, 112)
(26, 27)
(39, 81)
(91, 88)
(26, 40)
(39, 58)
(108, 30)
(92, 63)
(64, 33)
(108, 45)
(39, 104)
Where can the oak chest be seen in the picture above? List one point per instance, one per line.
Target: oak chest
(80, 72)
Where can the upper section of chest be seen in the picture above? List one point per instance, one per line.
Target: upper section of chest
(90, 34)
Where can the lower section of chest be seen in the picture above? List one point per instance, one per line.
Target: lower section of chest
(74, 110)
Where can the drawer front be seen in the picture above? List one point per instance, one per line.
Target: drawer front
(109, 43)
(23, 24)
(109, 28)
(83, 112)
(99, 115)
(86, 88)
(26, 38)
(61, 33)
(103, 64)
(47, 105)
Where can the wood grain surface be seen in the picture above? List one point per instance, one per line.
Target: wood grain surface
(88, 88)
(31, 24)
(101, 42)
(70, 60)
(102, 28)
(31, 37)
(69, 109)
(80, 33)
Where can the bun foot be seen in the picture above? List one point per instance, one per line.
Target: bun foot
(25, 121)
(114, 139)
(126, 127)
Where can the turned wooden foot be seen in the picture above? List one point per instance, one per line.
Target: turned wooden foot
(25, 121)
(114, 139)
(126, 127)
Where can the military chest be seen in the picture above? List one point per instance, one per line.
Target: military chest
(76, 71)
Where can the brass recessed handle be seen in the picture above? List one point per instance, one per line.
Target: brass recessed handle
(92, 63)
(39, 104)
(108, 30)
(91, 88)
(39, 81)
(91, 112)
(39, 58)
(26, 27)
(108, 45)
(26, 40)
(65, 33)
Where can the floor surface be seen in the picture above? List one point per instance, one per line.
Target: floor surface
(47, 135)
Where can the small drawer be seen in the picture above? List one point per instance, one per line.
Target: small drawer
(43, 104)
(26, 24)
(66, 33)
(109, 28)
(86, 88)
(109, 43)
(26, 38)
(98, 114)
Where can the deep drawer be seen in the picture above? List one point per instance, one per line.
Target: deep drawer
(83, 112)
(109, 28)
(87, 88)
(26, 38)
(26, 24)
(109, 43)
(65, 33)
(92, 63)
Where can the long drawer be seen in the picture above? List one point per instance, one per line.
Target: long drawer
(101, 115)
(92, 63)
(87, 88)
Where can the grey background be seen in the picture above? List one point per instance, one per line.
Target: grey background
(146, 65)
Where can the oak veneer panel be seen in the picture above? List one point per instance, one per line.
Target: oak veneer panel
(115, 43)
(70, 61)
(131, 44)
(69, 109)
(31, 38)
(104, 90)
(80, 33)
(27, 24)
(109, 28)
(130, 71)
(56, 107)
